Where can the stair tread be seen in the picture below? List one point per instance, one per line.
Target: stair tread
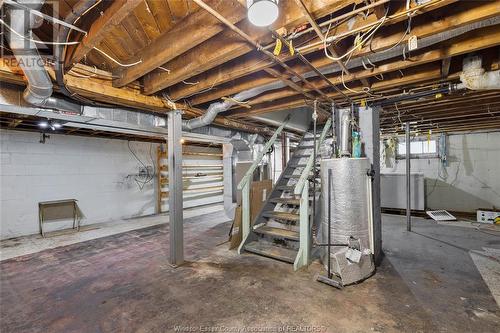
(295, 177)
(290, 201)
(272, 251)
(311, 138)
(291, 176)
(278, 232)
(298, 165)
(285, 187)
(282, 215)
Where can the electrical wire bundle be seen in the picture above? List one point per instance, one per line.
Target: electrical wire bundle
(142, 180)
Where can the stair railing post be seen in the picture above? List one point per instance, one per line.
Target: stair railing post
(302, 189)
(304, 253)
(245, 204)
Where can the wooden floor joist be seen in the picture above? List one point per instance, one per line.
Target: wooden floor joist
(156, 56)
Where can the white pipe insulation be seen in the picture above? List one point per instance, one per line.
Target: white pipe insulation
(474, 77)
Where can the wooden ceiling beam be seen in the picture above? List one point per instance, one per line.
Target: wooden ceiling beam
(449, 98)
(103, 91)
(486, 125)
(445, 67)
(470, 103)
(92, 87)
(414, 75)
(102, 27)
(461, 14)
(228, 45)
(191, 31)
(472, 42)
(447, 113)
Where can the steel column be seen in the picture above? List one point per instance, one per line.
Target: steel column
(408, 168)
(175, 188)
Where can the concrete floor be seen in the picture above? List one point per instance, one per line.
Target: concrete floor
(122, 283)
(14, 247)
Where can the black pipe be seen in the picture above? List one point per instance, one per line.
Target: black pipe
(60, 55)
(443, 90)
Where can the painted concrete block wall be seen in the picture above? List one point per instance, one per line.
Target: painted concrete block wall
(471, 180)
(99, 173)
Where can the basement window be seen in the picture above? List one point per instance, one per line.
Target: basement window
(419, 148)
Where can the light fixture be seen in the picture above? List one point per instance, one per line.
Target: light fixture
(49, 124)
(183, 141)
(262, 13)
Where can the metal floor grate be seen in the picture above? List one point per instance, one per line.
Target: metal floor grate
(441, 215)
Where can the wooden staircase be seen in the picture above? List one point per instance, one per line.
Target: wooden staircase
(275, 233)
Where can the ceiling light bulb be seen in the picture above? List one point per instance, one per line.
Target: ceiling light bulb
(57, 125)
(43, 124)
(262, 13)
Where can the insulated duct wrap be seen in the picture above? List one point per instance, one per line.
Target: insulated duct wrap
(349, 201)
(350, 212)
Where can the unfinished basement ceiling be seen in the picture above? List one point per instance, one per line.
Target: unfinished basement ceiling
(159, 55)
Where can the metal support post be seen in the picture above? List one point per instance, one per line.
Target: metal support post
(175, 188)
(408, 168)
(315, 171)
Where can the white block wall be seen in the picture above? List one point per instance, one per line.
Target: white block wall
(99, 173)
(94, 171)
(473, 173)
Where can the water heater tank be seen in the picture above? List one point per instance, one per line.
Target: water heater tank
(350, 210)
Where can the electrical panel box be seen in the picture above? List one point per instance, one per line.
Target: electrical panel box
(488, 216)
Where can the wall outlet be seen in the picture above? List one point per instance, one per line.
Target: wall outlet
(145, 171)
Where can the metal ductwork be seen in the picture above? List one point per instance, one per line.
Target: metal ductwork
(215, 108)
(474, 77)
(39, 89)
(345, 132)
